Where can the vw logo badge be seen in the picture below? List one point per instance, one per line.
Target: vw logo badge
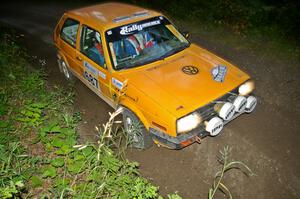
(190, 70)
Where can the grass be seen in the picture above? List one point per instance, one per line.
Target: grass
(39, 152)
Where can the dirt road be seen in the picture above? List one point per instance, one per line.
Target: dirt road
(266, 140)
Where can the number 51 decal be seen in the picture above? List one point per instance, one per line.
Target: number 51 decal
(91, 74)
(91, 79)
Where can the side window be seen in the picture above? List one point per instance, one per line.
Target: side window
(69, 31)
(91, 45)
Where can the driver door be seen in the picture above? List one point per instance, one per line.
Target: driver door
(92, 60)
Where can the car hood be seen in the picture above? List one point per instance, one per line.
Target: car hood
(180, 93)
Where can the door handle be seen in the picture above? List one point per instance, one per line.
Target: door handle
(79, 58)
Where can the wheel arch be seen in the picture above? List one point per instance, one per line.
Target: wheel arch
(138, 113)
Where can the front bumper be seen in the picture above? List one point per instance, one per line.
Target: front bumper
(183, 140)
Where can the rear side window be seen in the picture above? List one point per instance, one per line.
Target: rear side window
(69, 31)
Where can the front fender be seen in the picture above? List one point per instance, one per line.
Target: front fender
(132, 107)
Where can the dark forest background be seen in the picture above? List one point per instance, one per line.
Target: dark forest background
(274, 19)
(278, 18)
(265, 16)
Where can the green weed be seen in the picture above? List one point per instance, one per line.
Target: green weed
(31, 114)
(228, 165)
(12, 190)
(39, 152)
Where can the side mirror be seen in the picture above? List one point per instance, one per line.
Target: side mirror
(185, 34)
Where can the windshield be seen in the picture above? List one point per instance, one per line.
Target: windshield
(144, 42)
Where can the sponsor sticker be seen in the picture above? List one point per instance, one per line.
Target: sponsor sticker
(90, 73)
(126, 30)
(218, 73)
(109, 32)
(117, 83)
(88, 67)
(101, 74)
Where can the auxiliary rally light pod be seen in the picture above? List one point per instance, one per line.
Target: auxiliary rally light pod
(251, 104)
(214, 126)
(240, 103)
(225, 111)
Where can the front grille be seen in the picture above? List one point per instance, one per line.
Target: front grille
(207, 112)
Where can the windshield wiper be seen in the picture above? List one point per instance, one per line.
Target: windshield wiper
(167, 54)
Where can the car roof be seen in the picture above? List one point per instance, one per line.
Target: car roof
(109, 15)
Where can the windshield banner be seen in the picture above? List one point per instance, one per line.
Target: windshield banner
(133, 28)
(126, 30)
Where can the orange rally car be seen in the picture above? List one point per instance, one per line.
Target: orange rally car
(136, 59)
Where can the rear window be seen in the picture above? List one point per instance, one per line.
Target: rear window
(69, 31)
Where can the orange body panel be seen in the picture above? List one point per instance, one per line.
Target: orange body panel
(158, 93)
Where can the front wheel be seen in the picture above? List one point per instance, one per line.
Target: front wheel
(137, 133)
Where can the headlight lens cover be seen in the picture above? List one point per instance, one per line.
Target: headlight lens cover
(246, 88)
(188, 122)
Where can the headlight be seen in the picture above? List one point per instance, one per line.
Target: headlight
(188, 122)
(246, 88)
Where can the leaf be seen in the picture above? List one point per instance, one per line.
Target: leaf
(70, 141)
(210, 194)
(36, 140)
(78, 157)
(62, 182)
(49, 172)
(67, 131)
(52, 127)
(173, 196)
(239, 165)
(3, 108)
(57, 142)
(39, 105)
(218, 174)
(111, 163)
(58, 162)
(28, 113)
(11, 76)
(43, 131)
(87, 151)
(3, 124)
(95, 176)
(64, 150)
(55, 129)
(76, 167)
(226, 190)
(36, 181)
(19, 184)
(48, 147)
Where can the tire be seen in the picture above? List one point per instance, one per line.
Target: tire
(137, 133)
(63, 67)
